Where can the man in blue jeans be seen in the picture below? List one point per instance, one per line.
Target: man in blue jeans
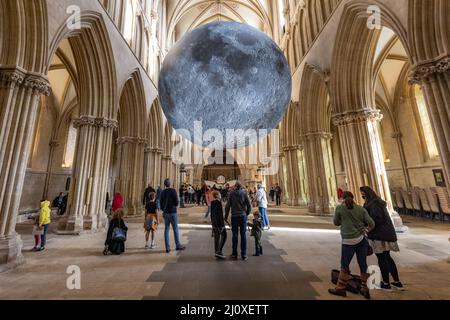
(240, 206)
(169, 204)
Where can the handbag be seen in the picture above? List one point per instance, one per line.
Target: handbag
(363, 232)
(353, 285)
(119, 234)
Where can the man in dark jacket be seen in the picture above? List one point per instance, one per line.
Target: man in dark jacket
(169, 204)
(240, 206)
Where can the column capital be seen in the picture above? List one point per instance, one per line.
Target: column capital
(92, 121)
(363, 115)
(132, 140)
(317, 135)
(166, 157)
(54, 143)
(423, 70)
(11, 76)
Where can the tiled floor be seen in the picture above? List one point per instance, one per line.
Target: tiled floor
(300, 250)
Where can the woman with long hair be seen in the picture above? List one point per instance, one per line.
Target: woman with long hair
(116, 237)
(354, 221)
(382, 238)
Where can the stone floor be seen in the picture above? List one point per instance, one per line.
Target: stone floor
(299, 252)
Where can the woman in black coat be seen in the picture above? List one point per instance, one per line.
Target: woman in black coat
(382, 238)
(111, 245)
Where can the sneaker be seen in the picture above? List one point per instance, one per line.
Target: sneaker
(146, 246)
(385, 286)
(220, 256)
(167, 250)
(40, 249)
(182, 248)
(244, 258)
(256, 255)
(153, 246)
(398, 286)
(232, 257)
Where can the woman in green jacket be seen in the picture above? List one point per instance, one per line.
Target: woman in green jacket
(354, 221)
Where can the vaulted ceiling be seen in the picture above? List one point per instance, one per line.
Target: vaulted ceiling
(185, 15)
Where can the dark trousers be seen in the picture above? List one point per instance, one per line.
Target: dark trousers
(220, 238)
(44, 235)
(387, 266)
(239, 226)
(348, 252)
(278, 200)
(258, 246)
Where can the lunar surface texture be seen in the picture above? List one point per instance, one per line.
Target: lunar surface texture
(228, 76)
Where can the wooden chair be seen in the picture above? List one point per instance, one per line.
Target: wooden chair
(399, 200)
(407, 199)
(424, 201)
(433, 202)
(417, 207)
(444, 201)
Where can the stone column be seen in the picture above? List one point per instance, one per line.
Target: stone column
(321, 179)
(19, 97)
(434, 77)
(157, 169)
(363, 157)
(131, 183)
(53, 145)
(87, 195)
(148, 166)
(295, 188)
(398, 138)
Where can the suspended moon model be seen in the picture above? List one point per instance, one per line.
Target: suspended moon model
(229, 76)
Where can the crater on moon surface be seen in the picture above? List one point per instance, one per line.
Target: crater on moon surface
(229, 75)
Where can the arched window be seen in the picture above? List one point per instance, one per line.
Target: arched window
(71, 142)
(129, 21)
(425, 122)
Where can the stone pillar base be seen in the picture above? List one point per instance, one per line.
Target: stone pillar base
(70, 226)
(398, 222)
(10, 252)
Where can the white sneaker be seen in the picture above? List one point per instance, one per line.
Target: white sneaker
(153, 246)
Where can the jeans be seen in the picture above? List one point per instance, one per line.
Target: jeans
(265, 218)
(171, 219)
(348, 252)
(220, 238)
(44, 235)
(239, 226)
(208, 212)
(158, 204)
(387, 266)
(258, 246)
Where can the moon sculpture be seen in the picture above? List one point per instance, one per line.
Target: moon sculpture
(226, 76)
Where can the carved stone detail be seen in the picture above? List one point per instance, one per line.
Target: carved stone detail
(357, 117)
(423, 71)
(132, 140)
(15, 76)
(95, 122)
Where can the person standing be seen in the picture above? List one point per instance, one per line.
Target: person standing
(116, 236)
(278, 193)
(354, 221)
(382, 238)
(261, 198)
(117, 202)
(257, 231)
(44, 222)
(169, 204)
(272, 194)
(240, 207)
(151, 221)
(58, 203)
(209, 199)
(218, 225)
(147, 192)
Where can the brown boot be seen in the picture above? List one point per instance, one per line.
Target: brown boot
(364, 289)
(341, 288)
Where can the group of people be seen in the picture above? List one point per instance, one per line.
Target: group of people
(275, 194)
(364, 231)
